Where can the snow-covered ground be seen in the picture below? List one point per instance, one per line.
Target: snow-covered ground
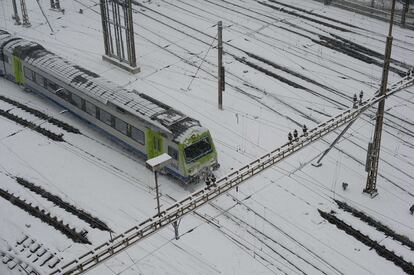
(271, 225)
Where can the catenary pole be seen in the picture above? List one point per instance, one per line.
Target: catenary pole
(373, 157)
(220, 65)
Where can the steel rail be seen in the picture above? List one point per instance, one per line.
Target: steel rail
(181, 208)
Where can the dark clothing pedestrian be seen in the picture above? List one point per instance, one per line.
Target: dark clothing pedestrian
(305, 130)
(208, 182)
(409, 73)
(412, 209)
(290, 137)
(295, 134)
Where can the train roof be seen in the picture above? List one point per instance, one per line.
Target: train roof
(4, 38)
(103, 90)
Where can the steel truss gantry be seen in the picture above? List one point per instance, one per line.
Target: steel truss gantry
(176, 211)
(118, 34)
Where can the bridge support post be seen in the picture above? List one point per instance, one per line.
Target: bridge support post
(175, 225)
(406, 7)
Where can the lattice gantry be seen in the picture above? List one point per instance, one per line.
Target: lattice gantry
(118, 32)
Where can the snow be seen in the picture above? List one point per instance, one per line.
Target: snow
(271, 225)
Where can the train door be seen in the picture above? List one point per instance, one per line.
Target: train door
(154, 144)
(18, 70)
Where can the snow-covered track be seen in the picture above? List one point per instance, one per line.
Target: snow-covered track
(222, 186)
(381, 250)
(376, 224)
(46, 217)
(61, 124)
(81, 214)
(358, 48)
(356, 51)
(31, 125)
(314, 14)
(263, 238)
(13, 262)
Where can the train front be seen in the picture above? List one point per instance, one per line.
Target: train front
(198, 154)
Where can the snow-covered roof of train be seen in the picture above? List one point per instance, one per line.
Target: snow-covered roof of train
(99, 88)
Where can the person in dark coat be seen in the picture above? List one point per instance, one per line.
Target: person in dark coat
(208, 182)
(290, 137)
(412, 209)
(295, 134)
(305, 130)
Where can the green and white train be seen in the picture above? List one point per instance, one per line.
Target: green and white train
(138, 120)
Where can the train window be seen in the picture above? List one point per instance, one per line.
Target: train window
(173, 153)
(77, 101)
(40, 80)
(121, 126)
(105, 117)
(137, 135)
(64, 94)
(51, 86)
(90, 108)
(197, 150)
(29, 74)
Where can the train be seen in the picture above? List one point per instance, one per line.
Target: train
(143, 123)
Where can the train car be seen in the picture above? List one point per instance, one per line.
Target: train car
(145, 124)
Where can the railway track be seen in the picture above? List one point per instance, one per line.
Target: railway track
(347, 43)
(376, 224)
(274, 41)
(46, 217)
(398, 125)
(199, 198)
(81, 214)
(352, 157)
(291, 83)
(317, 38)
(266, 258)
(13, 262)
(355, 159)
(266, 22)
(63, 125)
(315, 14)
(380, 249)
(237, 88)
(30, 125)
(264, 239)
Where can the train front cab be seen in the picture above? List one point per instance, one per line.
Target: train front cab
(197, 156)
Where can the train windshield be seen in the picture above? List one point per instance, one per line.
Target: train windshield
(197, 150)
